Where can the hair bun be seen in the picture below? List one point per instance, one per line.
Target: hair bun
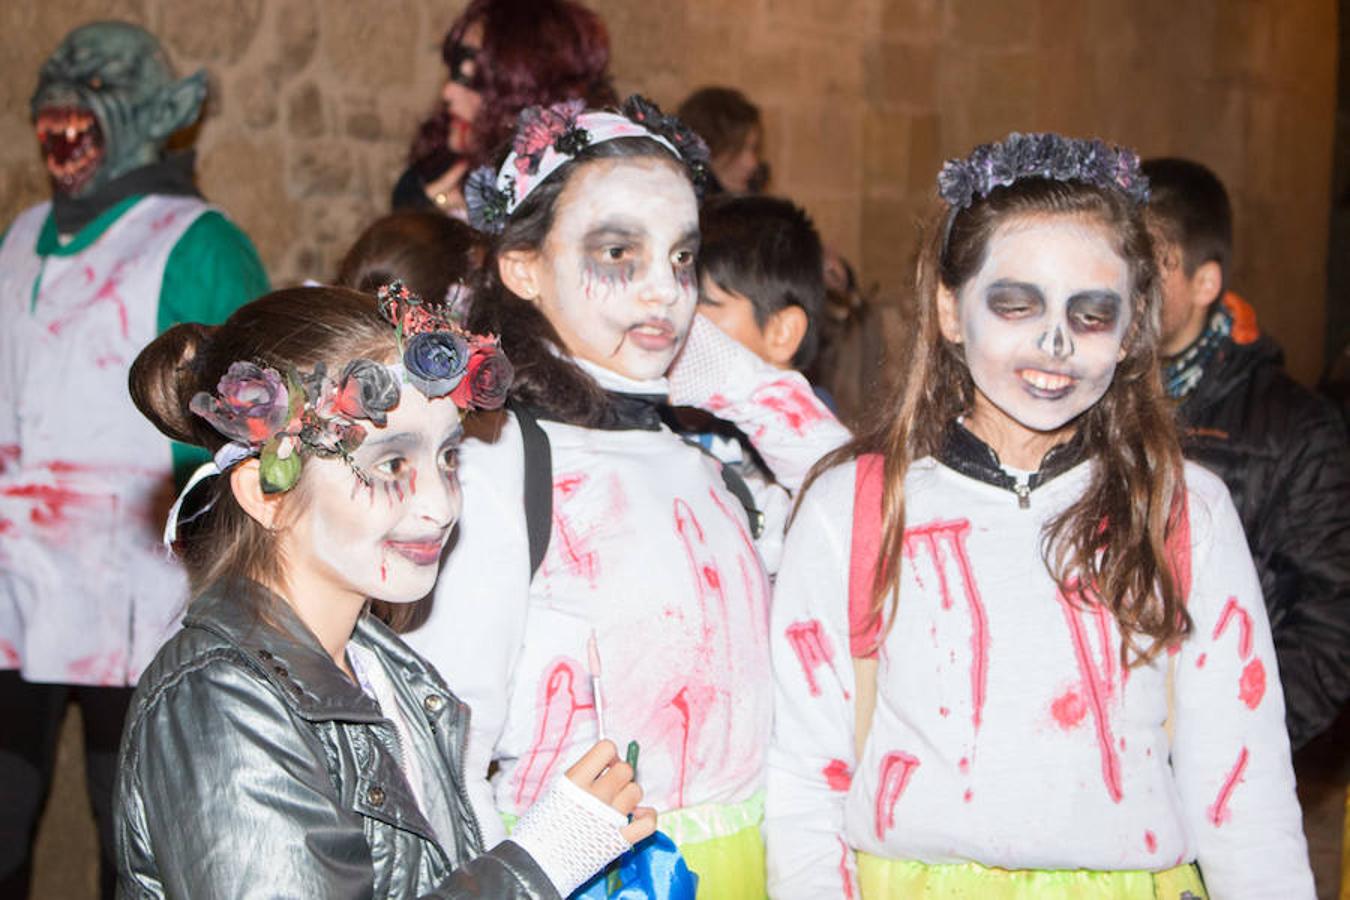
(164, 378)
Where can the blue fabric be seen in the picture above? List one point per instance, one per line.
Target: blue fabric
(652, 870)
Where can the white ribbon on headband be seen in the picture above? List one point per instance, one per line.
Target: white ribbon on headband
(226, 458)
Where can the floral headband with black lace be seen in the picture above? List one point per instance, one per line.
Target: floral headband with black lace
(548, 136)
(279, 417)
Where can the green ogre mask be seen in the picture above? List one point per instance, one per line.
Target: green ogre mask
(106, 102)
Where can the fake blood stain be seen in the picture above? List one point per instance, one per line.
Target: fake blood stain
(1218, 810)
(560, 701)
(795, 405)
(897, 768)
(1098, 683)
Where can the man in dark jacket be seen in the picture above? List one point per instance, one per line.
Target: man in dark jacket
(1280, 448)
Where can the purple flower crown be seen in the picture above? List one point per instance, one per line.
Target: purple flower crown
(548, 136)
(1044, 155)
(274, 416)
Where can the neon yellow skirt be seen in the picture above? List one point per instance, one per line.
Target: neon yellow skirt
(720, 843)
(883, 879)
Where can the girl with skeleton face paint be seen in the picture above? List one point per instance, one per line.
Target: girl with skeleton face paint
(645, 617)
(1016, 557)
(335, 423)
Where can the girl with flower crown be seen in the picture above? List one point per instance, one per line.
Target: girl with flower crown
(286, 742)
(1062, 682)
(646, 616)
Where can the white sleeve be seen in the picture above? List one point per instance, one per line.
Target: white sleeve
(775, 408)
(476, 627)
(811, 756)
(1230, 752)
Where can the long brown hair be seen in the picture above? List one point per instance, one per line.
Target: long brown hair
(1114, 538)
(298, 327)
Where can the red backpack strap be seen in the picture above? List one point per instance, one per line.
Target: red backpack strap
(864, 551)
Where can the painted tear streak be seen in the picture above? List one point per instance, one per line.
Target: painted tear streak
(838, 775)
(953, 534)
(1097, 686)
(897, 768)
(794, 404)
(1218, 810)
(813, 649)
(572, 546)
(563, 692)
(845, 876)
(108, 292)
(1233, 610)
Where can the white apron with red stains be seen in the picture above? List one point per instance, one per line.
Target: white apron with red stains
(87, 593)
(1006, 732)
(651, 553)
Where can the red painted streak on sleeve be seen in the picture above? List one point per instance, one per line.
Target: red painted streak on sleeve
(1232, 609)
(865, 550)
(794, 403)
(897, 768)
(1218, 810)
(845, 875)
(838, 775)
(1252, 684)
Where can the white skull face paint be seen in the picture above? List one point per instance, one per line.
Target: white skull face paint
(382, 540)
(616, 272)
(1043, 321)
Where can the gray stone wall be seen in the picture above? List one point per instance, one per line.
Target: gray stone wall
(313, 103)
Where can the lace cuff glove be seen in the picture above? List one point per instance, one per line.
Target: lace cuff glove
(571, 834)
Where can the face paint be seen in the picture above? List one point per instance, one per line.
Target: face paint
(616, 272)
(1043, 321)
(382, 540)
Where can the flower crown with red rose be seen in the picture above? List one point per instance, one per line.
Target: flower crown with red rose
(548, 136)
(279, 417)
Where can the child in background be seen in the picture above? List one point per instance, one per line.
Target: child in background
(1062, 682)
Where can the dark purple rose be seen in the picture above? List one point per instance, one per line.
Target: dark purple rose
(487, 382)
(251, 404)
(436, 361)
(366, 390)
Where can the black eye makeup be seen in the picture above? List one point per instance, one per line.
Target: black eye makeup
(1093, 312)
(1014, 300)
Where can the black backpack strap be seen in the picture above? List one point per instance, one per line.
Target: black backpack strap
(538, 483)
(741, 491)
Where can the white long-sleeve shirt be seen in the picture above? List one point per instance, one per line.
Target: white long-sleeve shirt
(651, 554)
(1006, 731)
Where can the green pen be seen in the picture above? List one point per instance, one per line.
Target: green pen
(631, 758)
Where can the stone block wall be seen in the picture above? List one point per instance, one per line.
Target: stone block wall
(313, 102)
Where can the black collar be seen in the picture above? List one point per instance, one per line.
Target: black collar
(624, 412)
(963, 452)
(171, 176)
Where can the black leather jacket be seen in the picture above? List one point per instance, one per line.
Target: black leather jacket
(1282, 451)
(252, 767)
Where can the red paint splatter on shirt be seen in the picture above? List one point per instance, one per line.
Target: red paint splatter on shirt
(712, 600)
(51, 503)
(1233, 610)
(793, 402)
(968, 796)
(1068, 709)
(897, 768)
(572, 545)
(9, 655)
(105, 669)
(845, 875)
(1200, 660)
(1252, 684)
(944, 711)
(838, 775)
(1150, 842)
(952, 534)
(108, 292)
(1218, 810)
(754, 580)
(812, 646)
(1097, 685)
(563, 692)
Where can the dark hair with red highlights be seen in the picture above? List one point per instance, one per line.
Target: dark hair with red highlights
(534, 52)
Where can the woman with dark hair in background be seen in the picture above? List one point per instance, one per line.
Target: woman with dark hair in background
(503, 55)
(731, 126)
